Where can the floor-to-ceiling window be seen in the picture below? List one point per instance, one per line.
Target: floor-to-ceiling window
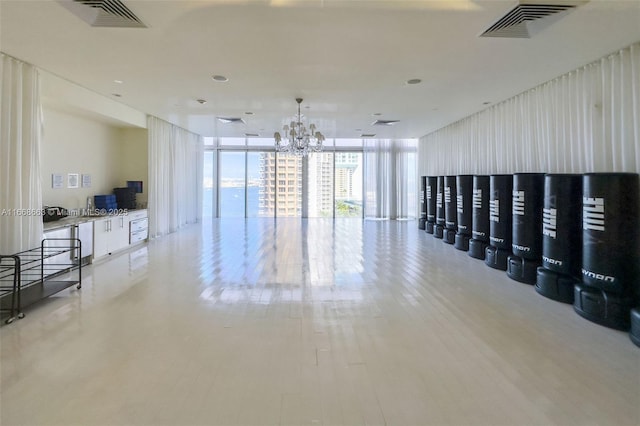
(260, 184)
(320, 176)
(288, 185)
(209, 174)
(245, 177)
(232, 183)
(348, 184)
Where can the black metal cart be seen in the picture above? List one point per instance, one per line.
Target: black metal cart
(10, 285)
(32, 275)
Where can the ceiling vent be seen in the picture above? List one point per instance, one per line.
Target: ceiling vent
(103, 13)
(367, 135)
(385, 122)
(252, 135)
(530, 17)
(230, 120)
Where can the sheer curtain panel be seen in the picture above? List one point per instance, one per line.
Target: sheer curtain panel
(175, 177)
(20, 136)
(584, 121)
(389, 173)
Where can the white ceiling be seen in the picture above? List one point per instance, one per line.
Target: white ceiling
(348, 59)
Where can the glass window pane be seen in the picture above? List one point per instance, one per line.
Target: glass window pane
(261, 187)
(232, 184)
(232, 141)
(349, 143)
(208, 171)
(320, 186)
(262, 142)
(348, 184)
(289, 203)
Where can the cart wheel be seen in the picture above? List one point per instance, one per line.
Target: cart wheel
(79, 286)
(9, 320)
(21, 315)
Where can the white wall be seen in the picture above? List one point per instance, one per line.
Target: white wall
(134, 164)
(75, 144)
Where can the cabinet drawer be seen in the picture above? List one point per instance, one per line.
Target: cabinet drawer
(135, 215)
(138, 236)
(139, 225)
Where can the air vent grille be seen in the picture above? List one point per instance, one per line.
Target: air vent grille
(367, 135)
(385, 122)
(230, 120)
(103, 13)
(516, 23)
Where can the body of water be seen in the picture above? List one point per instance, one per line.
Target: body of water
(232, 201)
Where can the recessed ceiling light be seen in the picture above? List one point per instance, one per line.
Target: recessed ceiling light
(220, 78)
(118, 81)
(249, 113)
(414, 81)
(201, 101)
(358, 130)
(117, 95)
(486, 103)
(376, 114)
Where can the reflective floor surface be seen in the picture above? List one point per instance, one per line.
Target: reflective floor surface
(263, 322)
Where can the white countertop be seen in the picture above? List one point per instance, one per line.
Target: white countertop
(75, 220)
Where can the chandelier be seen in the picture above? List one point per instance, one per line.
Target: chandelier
(298, 139)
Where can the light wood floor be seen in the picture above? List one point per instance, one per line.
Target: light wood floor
(310, 322)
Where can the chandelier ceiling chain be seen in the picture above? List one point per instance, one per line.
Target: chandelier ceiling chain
(298, 139)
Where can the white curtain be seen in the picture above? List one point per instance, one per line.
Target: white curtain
(20, 136)
(175, 177)
(584, 121)
(389, 174)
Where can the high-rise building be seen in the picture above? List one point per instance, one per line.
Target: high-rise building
(320, 186)
(281, 185)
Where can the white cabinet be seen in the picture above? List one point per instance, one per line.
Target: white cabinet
(84, 232)
(114, 233)
(138, 226)
(110, 235)
(53, 239)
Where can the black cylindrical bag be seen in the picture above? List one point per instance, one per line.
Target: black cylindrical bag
(480, 217)
(562, 224)
(501, 188)
(431, 190)
(611, 231)
(464, 187)
(440, 218)
(528, 197)
(526, 235)
(496, 254)
(610, 249)
(423, 203)
(561, 237)
(450, 209)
